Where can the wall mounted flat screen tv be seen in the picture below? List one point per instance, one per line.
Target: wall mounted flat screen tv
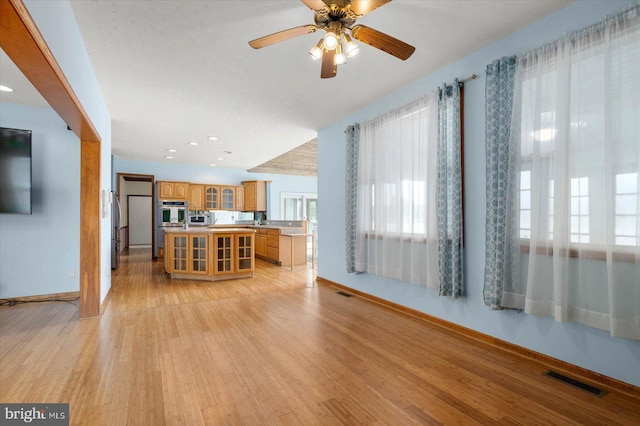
(15, 171)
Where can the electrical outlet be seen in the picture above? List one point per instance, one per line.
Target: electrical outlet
(72, 273)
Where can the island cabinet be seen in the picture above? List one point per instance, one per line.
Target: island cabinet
(268, 244)
(234, 254)
(209, 254)
(255, 195)
(173, 190)
(187, 254)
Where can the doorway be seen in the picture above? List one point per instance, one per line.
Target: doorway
(302, 206)
(140, 188)
(140, 213)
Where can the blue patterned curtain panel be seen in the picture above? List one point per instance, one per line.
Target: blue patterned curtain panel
(498, 107)
(351, 194)
(449, 192)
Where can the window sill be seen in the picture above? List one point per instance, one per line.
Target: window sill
(586, 251)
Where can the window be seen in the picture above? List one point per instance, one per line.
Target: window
(562, 172)
(409, 196)
(626, 207)
(299, 206)
(580, 210)
(525, 204)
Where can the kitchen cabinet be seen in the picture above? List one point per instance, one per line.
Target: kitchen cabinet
(172, 190)
(239, 198)
(268, 244)
(211, 254)
(212, 200)
(245, 251)
(228, 195)
(223, 254)
(186, 253)
(196, 197)
(255, 195)
(273, 245)
(261, 243)
(233, 253)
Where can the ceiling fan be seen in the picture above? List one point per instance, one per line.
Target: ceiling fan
(337, 19)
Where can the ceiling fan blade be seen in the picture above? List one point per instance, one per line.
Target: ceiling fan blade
(314, 5)
(329, 68)
(362, 7)
(382, 41)
(282, 36)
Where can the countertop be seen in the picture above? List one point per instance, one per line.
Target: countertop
(206, 230)
(284, 230)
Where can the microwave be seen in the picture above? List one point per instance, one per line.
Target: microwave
(198, 219)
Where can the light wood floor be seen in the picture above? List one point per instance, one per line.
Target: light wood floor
(276, 349)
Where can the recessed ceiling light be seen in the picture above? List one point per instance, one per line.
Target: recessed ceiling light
(226, 152)
(193, 143)
(171, 150)
(212, 138)
(212, 165)
(6, 89)
(169, 157)
(220, 158)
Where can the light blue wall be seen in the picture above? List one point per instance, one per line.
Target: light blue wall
(203, 174)
(57, 24)
(39, 253)
(580, 345)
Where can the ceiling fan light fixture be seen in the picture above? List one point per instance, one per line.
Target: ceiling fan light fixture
(316, 51)
(351, 47)
(330, 40)
(339, 58)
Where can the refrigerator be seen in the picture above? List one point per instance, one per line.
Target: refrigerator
(115, 230)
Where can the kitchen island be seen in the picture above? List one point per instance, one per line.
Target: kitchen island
(212, 254)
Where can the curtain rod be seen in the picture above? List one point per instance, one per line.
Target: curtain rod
(472, 77)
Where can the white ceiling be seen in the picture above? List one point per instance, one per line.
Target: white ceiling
(174, 72)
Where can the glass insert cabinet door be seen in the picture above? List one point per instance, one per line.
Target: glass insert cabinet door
(227, 198)
(223, 254)
(199, 253)
(244, 243)
(179, 248)
(212, 198)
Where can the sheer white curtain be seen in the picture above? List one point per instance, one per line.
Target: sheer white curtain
(397, 170)
(575, 139)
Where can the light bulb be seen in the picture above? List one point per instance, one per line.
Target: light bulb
(351, 47)
(330, 40)
(316, 51)
(339, 57)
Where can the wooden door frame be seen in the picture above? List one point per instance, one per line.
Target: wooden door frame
(24, 44)
(142, 178)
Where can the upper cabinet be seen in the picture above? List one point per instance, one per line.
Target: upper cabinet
(240, 198)
(212, 198)
(196, 197)
(255, 195)
(228, 196)
(250, 197)
(172, 190)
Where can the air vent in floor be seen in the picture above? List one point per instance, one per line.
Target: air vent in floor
(575, 383)
(342, 293)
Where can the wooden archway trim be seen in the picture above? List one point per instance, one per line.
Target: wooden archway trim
(22, 42)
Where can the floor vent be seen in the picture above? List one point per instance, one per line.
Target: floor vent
(576, 383)
(342, 293)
